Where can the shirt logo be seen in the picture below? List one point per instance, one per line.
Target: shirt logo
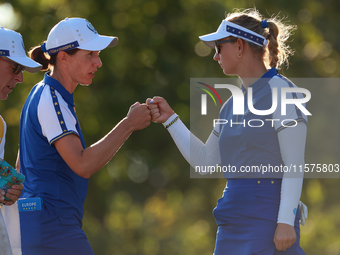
(30, 204)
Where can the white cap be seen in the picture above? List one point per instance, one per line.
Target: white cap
(12, 47)
(78, 33)
(228, 28)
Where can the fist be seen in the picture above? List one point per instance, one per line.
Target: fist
(139, 116)
(159, 108)
(284, 236)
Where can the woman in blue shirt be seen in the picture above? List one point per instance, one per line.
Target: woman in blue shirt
(53, 155)
(255, 215)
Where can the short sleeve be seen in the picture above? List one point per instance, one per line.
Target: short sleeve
(293, 114)
(55, 117)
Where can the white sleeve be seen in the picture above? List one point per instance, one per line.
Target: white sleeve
(293, 114)
(3, 129)
(292, 143)
(55, 118)
(193, 150)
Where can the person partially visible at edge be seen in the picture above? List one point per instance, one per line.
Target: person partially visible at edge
(13, 61)
(255, 216)
(53, 155)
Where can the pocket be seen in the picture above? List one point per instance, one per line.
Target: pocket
(30, 227)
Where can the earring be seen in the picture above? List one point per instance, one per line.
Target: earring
(239, 55)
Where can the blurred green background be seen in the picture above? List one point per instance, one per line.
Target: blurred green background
(143, 201)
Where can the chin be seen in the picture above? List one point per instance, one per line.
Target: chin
(85, 83)
(228, 73)
(3, 97)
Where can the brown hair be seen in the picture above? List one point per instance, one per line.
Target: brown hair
(277, 52)
(47, 61)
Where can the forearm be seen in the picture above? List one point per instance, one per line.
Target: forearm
(193, 149)
(86, 162)
(292, 145)
(290, 191)
(100, 153)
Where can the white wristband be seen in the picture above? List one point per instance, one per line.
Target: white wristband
(171, 120)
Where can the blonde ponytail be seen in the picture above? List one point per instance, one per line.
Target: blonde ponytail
(277, 52)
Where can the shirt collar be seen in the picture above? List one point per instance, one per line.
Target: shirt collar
(58, 87)
(263, 80)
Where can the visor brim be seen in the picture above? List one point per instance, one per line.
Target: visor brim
(211, 38)
(100, 43)
(30, 65)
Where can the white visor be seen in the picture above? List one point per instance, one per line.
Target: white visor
(228, 28)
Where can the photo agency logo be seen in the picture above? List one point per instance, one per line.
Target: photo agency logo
(204, 97)
(282, 97)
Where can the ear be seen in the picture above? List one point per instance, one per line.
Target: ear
(62, 57)
(240, 46)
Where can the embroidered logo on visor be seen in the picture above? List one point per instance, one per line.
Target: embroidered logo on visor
(65, 47)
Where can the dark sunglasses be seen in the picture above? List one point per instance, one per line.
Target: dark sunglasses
(17, 68)
(218, 49)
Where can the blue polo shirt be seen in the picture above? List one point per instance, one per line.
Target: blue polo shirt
(47, 116)
(251, 140)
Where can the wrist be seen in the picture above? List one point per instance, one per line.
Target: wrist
(171, 120)
(285, 222)
(127, 124)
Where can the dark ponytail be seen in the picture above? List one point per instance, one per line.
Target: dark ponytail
(42, 58)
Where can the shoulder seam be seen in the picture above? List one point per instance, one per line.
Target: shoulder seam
(58, 110)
